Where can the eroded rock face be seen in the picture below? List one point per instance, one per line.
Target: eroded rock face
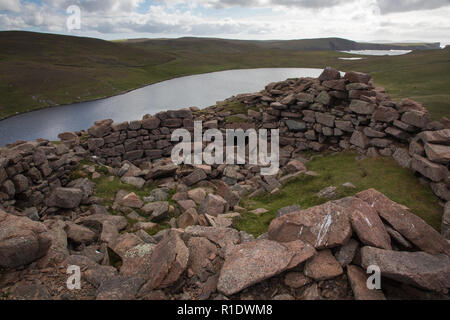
(324, 226)
(168, 262)
(431, 272)
(253, 262)
(22, 240)
(408, 224)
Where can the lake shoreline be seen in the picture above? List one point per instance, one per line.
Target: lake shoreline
(137, 88)
(202, 90)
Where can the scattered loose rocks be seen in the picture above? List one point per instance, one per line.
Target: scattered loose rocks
(178, 241)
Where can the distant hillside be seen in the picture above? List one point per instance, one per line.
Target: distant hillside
(40, 70)
(323, 44)
(70, 51)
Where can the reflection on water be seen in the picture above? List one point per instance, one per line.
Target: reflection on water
(198, 90)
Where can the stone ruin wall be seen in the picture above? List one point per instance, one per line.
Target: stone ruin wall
(331, 112)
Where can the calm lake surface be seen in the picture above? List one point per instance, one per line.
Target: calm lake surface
(379, 52)
(199, 90)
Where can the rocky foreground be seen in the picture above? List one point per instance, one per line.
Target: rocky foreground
(51, 217)
(318, 253)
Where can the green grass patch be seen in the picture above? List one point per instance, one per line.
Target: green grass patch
(107, 189)
(383, 174)
(234, 107)
(158, 228)
(234, 119)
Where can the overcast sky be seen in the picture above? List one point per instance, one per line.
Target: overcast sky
(369, 20)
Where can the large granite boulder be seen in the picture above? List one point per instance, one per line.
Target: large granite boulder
(22, 240)
(253, 262)
(324, 226)
(408, 224)
(366, 223)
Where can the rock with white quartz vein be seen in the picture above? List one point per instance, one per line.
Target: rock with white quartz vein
(324, 226)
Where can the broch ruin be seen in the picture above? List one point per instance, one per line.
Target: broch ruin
(51, 219)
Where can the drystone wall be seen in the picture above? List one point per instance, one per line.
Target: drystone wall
(330, 112)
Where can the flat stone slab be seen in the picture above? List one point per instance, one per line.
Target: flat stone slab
(253, 262)
(420, 269)
(438, 153)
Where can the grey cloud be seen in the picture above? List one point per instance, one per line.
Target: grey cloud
(389, 6)
(386, 6)
(220, 4)
(92, 6)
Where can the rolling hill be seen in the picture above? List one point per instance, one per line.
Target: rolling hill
(41, 70)
(322, 44)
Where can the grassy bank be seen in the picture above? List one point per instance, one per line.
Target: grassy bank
(39, 70)
(383, 174)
